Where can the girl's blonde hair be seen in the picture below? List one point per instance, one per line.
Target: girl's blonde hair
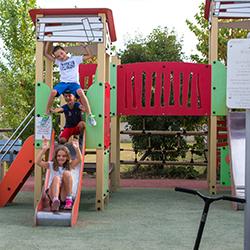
(67, 164)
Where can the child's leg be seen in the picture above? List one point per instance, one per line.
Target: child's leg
(67, 184)
(65, 135)
(50, 100)
(66, 191)
(82, 126)
(62, 140)
(57, 91)
(54, 189)
(84, 100)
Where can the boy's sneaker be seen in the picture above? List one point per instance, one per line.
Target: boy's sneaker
(68, 204)
(91, 120)
(55, 205)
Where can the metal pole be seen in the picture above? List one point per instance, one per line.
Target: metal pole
(4, 146)
(247, 184)
(202, 224)
(6, 152)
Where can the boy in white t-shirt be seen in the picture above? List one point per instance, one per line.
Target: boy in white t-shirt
(69, 77)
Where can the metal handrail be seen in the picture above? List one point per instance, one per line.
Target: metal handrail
(20, 133)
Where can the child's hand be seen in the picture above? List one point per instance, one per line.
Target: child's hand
(48, 112)
(45, 146)
(75, 143)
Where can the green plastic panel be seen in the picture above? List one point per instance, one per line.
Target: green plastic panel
(106, 172)
(43, 123)
(113, 95)
(219, 80)
(225, 177)
(95, 135)
(95, 77)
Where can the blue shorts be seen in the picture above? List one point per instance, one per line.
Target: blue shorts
(61, 87)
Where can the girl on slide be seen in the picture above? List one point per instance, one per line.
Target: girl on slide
(60, 189)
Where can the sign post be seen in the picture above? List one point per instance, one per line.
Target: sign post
(238, 96)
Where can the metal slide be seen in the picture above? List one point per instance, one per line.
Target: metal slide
(237, 142)
(43, 215)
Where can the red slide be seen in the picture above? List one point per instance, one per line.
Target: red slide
(18, 172)
(43, 215)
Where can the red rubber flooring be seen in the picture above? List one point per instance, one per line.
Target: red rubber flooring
(140, 183)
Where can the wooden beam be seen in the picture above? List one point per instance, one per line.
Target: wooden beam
(212, 134)
(38, 78)
(99, 179)
(175, 163)
(101, 54)
(162, 132)
(101, 69)
(244, 24)
(115, 152)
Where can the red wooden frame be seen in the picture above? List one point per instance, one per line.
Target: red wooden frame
(164, 88)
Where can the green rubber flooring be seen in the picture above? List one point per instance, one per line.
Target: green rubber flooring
(135, 219)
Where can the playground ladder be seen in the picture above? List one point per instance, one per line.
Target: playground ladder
(26, 121)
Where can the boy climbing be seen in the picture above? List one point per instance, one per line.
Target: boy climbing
(73, 116)
(69, 78)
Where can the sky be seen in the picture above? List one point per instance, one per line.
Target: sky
(133, 17)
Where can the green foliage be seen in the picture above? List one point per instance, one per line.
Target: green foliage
(160, 45)
(188, 172)
(201, 31)
(17, 64)
(177, 144)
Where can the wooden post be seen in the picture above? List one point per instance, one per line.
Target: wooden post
(115, 144)
(101, 69)
(115, 152)
(99, 179)
(3, 169)
(39, 78)
(212, 133)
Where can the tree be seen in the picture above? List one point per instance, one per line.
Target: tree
(17, 64)
(201, 31)
(160, 45)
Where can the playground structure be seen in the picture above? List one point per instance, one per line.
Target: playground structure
(239, 123)
(95, 26)
(225, 14)
(81, 25)
(115, 90)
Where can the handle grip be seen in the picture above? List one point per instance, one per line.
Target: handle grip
(235, 199)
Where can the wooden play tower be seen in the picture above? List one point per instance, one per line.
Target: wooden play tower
(94, 27)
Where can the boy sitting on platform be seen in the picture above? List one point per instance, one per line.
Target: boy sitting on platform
(69, 77)
(72, 110)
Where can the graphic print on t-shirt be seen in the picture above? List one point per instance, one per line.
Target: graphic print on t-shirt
(67, 65)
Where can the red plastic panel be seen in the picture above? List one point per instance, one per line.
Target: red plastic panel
(107, 116)
(86, 74)
(164, 88)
